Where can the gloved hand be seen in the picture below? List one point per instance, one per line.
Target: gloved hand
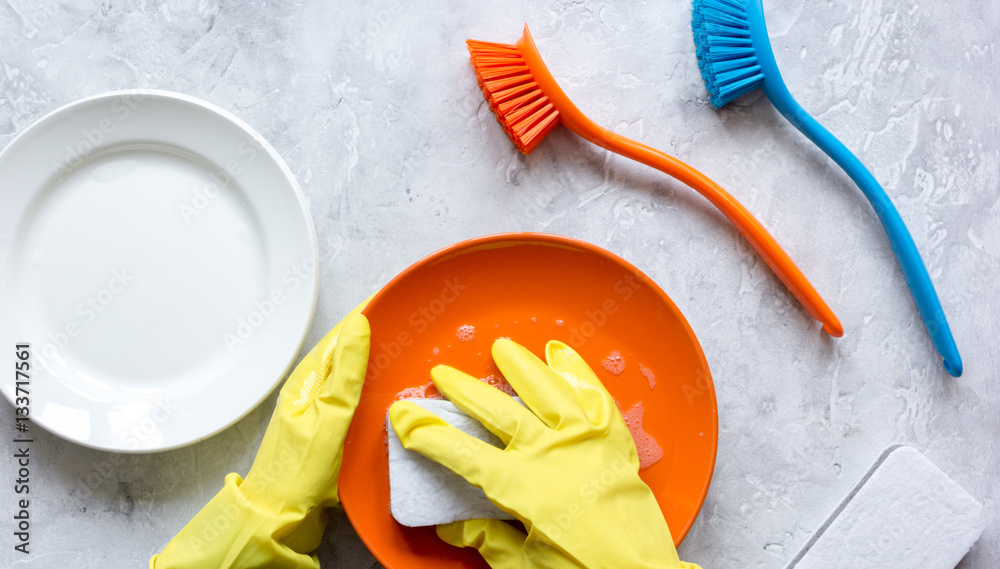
(276, 516)
(569, 473)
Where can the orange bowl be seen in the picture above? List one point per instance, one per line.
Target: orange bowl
(449, 307)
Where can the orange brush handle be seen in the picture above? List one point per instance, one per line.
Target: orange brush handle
(745, 222)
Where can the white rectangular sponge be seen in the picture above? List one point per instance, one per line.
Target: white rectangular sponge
(905, 512)
(424, 493)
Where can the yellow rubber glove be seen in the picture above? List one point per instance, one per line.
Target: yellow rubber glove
(276, 516)
(569, 472)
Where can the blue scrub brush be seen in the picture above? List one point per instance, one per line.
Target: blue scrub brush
(735, 58)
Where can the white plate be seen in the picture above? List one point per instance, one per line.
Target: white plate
(160, 259)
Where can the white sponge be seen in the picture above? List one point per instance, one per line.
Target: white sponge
(905, 512)
(424, 493)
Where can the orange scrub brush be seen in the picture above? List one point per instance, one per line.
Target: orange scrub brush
(529, 103)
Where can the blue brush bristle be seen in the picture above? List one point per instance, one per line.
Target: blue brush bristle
(726, 56)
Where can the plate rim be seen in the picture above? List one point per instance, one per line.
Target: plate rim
(303, 205)
(552, 239)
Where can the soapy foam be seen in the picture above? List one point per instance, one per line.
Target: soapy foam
(428, 391)
(466, 333)
(411, 393)
(647, 447)
(614, 363)
(499, 382)
(648, 374)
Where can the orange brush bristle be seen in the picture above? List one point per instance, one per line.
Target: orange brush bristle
(520, 106)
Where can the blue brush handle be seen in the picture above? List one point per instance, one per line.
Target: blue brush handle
(902, 243)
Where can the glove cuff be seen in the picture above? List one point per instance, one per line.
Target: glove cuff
(229, 532)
